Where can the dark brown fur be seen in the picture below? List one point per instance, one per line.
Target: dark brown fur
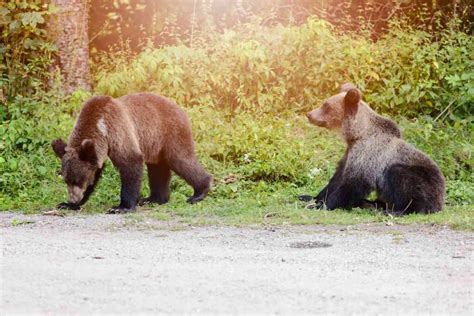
(376, 159)
(131, 130)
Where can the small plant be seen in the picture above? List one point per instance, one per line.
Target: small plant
(19, 222)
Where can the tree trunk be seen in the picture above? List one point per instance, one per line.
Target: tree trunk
(70, 30)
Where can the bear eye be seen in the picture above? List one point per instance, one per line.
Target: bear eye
(326, 106)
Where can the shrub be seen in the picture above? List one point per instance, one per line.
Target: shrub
(407, 71)
(245, 93)
(245, 153)
(25, 50)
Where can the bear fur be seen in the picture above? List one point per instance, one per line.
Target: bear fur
(376, 159)
(131, 130)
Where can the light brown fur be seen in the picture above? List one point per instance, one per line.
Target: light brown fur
(376, 156)
(137, 124)
(136, 129)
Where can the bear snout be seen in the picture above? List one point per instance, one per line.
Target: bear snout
(75, 194)
(313, 119)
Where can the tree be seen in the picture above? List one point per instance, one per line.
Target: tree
(70, 30)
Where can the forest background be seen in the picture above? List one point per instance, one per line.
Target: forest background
(246, 72)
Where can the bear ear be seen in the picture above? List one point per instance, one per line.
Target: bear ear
(347, 86)
(87, 151)
(59, 147)
(351, 101)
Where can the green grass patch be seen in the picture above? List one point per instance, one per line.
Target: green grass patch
(281, 207)
(19, 222)
(259, 164)
(246, 92)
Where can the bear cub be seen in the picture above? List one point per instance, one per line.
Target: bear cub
(131, 130)
(376, 159)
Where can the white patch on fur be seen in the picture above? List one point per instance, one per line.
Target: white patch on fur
(102, 127)
(76, 193)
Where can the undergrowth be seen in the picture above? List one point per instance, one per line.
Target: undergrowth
(246, 93)
(407, 72)
(259, 163)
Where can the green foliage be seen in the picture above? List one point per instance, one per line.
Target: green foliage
(408, 71)
(246, 93)
(19, 222)
(452, 146)
(249, 155)
(425, 74)
(26, 164)
(25, 50)
(167, 22)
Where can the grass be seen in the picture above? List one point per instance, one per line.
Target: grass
(246, 92)
(18, 222)
(282, 208)
(258, 173)
(276, 208)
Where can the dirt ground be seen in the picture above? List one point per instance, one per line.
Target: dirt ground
(122, 264)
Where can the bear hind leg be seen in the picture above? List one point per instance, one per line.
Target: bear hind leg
(159, 177)
(409, 189)
(193, 173)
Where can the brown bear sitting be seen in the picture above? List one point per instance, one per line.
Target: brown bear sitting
(376, 159)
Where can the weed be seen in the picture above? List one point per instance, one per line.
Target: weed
(19, 222)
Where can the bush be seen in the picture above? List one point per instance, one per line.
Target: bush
(246, 92)
(25, 51)
(27, 167)
(245, 153)
(408, 71)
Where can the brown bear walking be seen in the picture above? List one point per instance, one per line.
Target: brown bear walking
(376, 159)
(131, 130)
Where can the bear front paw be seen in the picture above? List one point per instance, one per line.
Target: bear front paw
(306, 198)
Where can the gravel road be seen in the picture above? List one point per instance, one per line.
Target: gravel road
(121, 264)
